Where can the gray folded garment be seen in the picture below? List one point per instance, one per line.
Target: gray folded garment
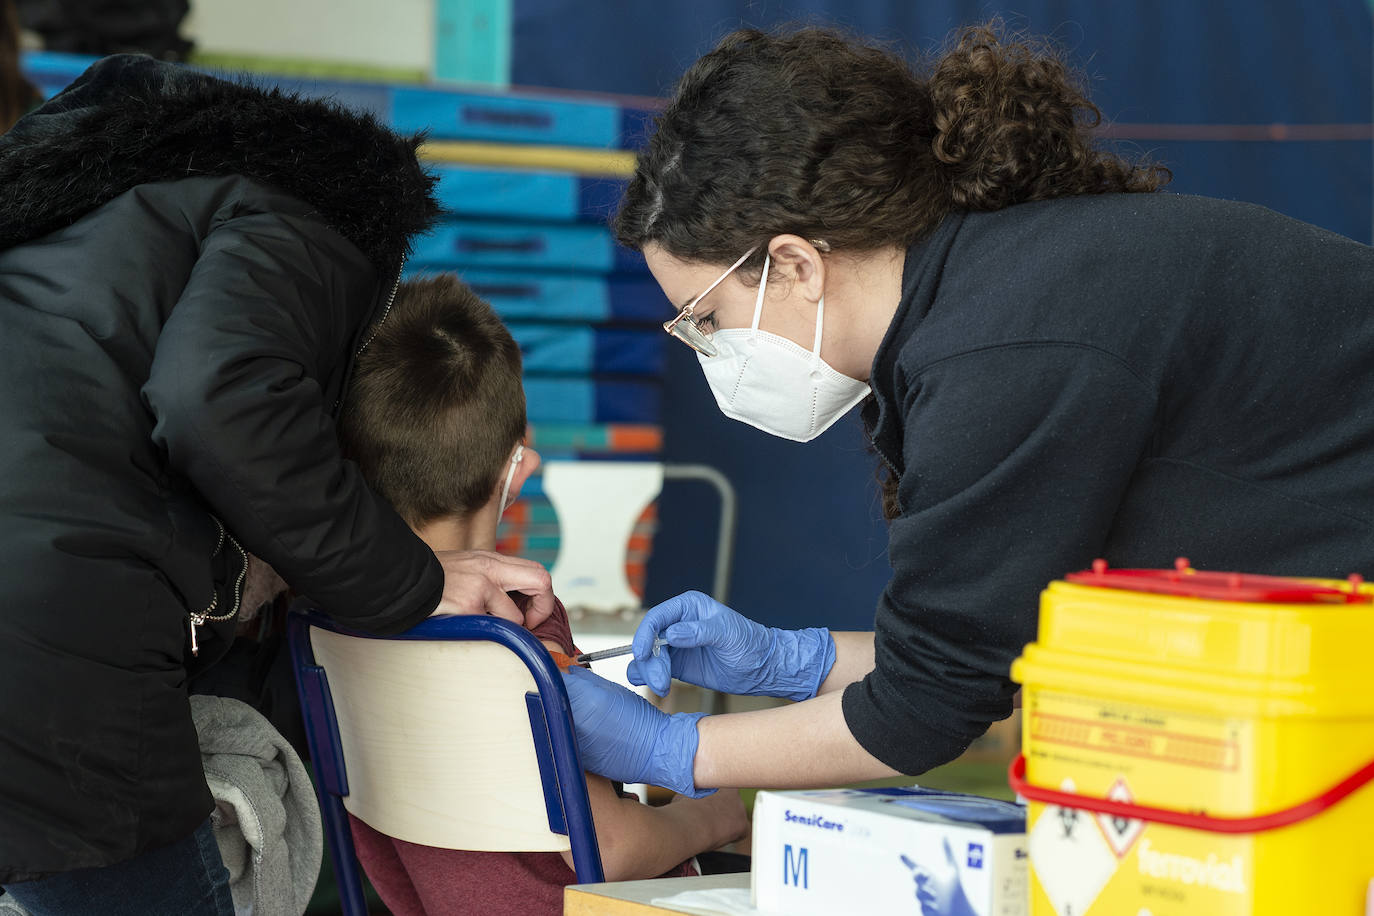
(266, 819)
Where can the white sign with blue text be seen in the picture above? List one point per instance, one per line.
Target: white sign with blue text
(880, 851)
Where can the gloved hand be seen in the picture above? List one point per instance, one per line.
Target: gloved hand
(714, 647)
(624, 737)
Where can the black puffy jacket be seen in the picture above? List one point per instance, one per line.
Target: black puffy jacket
(187, 268)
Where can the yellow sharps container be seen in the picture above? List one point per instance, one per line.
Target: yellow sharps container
(1199, 743)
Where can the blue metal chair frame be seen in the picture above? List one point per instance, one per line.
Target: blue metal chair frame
(565, 790)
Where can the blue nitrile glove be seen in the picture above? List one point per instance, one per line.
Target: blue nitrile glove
(624, 737)
(714, 647)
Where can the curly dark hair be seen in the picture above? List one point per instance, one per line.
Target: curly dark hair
(815, 133)
(818, 134)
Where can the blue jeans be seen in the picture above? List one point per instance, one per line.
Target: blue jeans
(187, 878)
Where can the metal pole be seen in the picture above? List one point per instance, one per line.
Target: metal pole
(725, 539)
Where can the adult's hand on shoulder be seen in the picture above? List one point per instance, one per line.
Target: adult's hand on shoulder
(477, 582)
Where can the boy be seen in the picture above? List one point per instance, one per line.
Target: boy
(435, 417)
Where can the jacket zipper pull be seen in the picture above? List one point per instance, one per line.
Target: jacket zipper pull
(196, 620)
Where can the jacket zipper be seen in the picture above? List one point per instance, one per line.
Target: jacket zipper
(198, 618)
(878, 450)
(375, 327)
(386, 309)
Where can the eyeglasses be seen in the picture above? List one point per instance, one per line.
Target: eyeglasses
(686, 328)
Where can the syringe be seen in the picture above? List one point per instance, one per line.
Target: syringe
(599, 654)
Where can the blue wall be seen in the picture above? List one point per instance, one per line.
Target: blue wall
(1175, 75)
(1172, 65)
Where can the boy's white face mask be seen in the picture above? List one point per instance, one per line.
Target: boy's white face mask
(775, 385)
(510, 476)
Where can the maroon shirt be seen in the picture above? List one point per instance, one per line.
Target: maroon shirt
(416, 880)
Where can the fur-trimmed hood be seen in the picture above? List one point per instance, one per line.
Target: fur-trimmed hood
(130, 120)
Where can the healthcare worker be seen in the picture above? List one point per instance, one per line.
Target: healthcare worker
(1055, 361)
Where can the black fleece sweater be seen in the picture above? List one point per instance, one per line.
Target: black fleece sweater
(1135, 377)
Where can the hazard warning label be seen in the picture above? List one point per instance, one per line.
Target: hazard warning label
(1069, 857)
(1120, 832)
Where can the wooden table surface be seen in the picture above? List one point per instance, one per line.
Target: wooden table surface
(631, 898)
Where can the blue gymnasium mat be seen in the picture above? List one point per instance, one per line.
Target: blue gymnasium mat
(514, 117)
(580, 400)
(51, 72)
(632, 298)
(472, 190)
(505, 119)
(459, 244)
(519, 118)
(569, 349)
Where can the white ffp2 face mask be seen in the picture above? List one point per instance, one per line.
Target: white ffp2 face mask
(775, 385)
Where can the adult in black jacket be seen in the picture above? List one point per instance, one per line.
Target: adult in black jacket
(1062, 365)
(187, 268)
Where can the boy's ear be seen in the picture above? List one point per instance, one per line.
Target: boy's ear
(529, 463)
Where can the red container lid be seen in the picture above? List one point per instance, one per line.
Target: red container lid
(1184, 581)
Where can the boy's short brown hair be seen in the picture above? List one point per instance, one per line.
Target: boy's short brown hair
(435, 405)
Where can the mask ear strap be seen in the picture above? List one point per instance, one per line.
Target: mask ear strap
(510, 476)
(758, 303)
(820, 323)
